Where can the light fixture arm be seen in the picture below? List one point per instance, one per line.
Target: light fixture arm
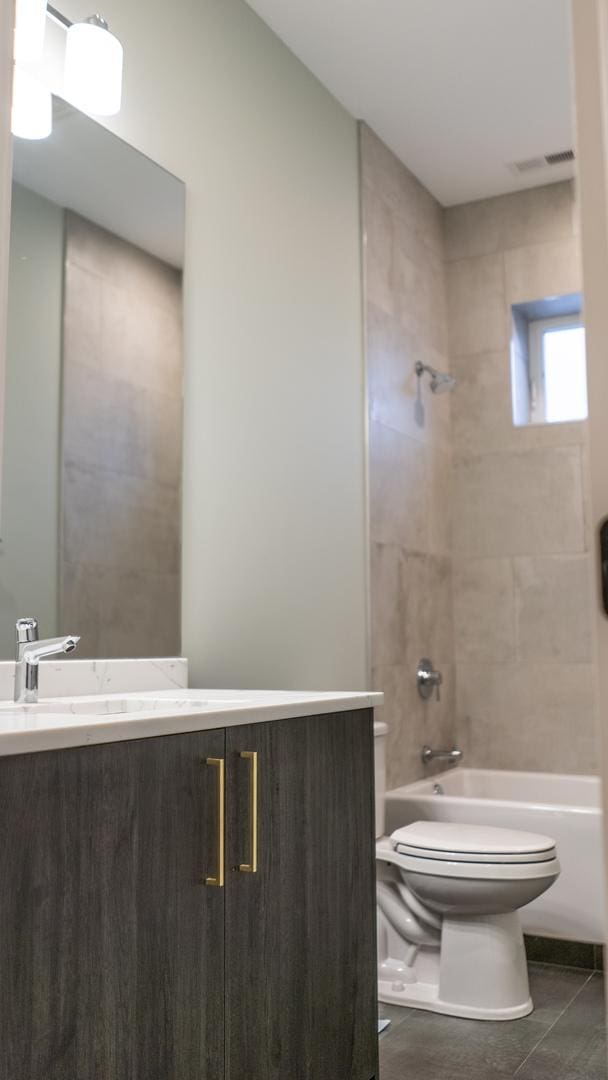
(58, 16)
(98, 20)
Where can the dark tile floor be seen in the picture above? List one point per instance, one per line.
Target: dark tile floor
(563, 1039)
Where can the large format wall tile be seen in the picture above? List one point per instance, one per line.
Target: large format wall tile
(120, 521)
(453, 474)
(482, 415)
(110, 423)
(154, 602)
(420, 300)
(398, 489)
(121, 613)
(484, 610)
(439, 484)
(539, 215)
(415, 210)
(532, 273)
(509, 221)
(427, 589)
(126, 266)
(537, 715)
(482, 410)
(522, 610)
(379, 253)
(554, 608)
(519, 504)
(409, 454)
(387, 605)
(413, 723)
(477, 315)
(396, 397)
(121, 452)
(141, 342)
(81, 592)
(82, 336)
(384, 174)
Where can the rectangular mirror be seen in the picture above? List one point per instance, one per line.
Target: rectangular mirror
(90, 524)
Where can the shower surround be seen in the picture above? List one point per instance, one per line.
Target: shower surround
(479, 538)
(409, 455)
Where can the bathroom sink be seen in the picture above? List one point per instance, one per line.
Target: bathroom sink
(118, 705)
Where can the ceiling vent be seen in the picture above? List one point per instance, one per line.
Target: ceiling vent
(560, 157)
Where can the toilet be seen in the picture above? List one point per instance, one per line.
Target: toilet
(448, 895)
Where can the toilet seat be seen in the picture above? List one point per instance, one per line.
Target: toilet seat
(479, 871)
(464, 857)
(449, 842)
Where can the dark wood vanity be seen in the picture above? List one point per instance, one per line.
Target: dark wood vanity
(121, 959)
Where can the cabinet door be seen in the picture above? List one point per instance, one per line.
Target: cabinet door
(111, 949)
(300, 933)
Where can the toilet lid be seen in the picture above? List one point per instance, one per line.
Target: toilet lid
(471, 843)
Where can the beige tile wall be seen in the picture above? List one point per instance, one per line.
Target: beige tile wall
(522, 611)
(409, 455)
(477, 527)
(121, 455)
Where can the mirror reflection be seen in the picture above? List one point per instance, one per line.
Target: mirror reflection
(90, 527)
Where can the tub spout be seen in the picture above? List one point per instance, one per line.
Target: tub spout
(453, 755)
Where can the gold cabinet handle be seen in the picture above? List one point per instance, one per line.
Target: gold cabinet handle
(218, 879)
(252, 866)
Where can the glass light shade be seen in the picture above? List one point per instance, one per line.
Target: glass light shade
(30, 23)
(93, 69)
(32, 116)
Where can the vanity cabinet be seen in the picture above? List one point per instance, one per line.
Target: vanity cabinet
(111, 952)
(123, 954)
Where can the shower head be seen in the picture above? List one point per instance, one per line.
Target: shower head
(441, 382)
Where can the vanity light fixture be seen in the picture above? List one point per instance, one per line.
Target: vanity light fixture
(30, 24)
(32, 112)
(92, 73)
(93, 67)
(31, 116)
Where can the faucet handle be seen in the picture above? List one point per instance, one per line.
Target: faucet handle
(427, 678)
(26, 630)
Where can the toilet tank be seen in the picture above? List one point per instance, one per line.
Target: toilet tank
(380, 731)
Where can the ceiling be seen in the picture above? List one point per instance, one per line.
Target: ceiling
(459, 89)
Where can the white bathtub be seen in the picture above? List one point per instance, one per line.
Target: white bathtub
(566, 808)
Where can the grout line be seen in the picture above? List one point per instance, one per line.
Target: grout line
(551, 1026)
(395, 1026)
(516, 592)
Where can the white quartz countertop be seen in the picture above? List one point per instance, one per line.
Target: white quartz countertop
(56, 723)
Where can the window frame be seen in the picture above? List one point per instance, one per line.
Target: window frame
(537, 328)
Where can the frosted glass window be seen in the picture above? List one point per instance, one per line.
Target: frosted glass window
(564, 374)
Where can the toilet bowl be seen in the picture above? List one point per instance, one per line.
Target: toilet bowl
(449, 937)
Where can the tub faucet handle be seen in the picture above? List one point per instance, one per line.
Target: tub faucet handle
(427, 678)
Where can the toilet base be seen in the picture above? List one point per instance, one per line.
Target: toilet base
(426, 996)
(479, 971)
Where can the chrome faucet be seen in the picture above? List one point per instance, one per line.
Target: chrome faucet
(428, 755)
(29, 652)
